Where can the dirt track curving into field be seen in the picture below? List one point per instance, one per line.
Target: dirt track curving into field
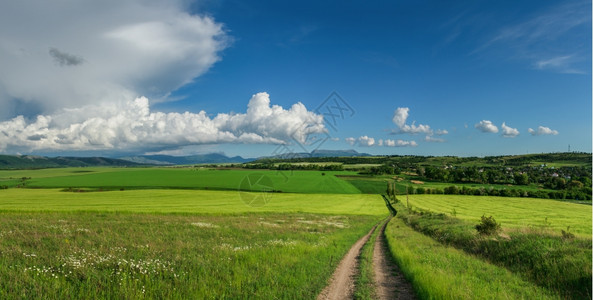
(389, 281)
(341, 285)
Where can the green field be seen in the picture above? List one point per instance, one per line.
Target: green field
(185, 178)
(511, 212)
(367, 184)
(188, 201)
(175, 243)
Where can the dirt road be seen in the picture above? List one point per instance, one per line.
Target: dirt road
(341, 285)
(389, 282)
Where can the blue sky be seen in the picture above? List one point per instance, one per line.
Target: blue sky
(418, 77)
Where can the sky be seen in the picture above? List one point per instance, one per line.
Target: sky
(259, 78)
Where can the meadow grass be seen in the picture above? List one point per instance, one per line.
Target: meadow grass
(437, 271)
(559, 263)
(186, 178)
(189, 201)
(511, 212)
(84, 255)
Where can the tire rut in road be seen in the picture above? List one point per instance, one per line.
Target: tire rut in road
(389, 281)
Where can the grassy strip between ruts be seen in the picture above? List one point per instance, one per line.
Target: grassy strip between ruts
(83, 255)
(441, 272)
(365, 283)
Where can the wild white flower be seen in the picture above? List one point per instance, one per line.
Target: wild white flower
(205, 225)
(269, 224)
(280, 242)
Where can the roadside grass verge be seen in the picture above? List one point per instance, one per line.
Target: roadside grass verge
(84, 255)
(437, 271)
(561, 264)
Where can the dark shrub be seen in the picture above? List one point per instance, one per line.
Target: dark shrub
(487, 226)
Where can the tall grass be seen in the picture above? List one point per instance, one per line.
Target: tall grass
(437, 271)
(559, 263)
(134, 256)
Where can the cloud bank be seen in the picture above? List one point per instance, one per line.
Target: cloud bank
(131, 125)
(70, 54)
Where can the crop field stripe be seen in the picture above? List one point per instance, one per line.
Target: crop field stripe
(187, 201)
(190, 178)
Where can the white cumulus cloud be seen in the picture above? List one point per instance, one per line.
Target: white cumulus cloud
(486, 126)
(58, 55)
(400, 143)
(366, 141)
(131, 125)
(542, 130)
(509, 131)
(400, 117)
(432, 139)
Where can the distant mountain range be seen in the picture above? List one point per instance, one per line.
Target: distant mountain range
(38, 162)
(217, 158)
(320, 153)
(212, 158)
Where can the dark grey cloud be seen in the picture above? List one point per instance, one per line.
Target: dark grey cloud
(65, 59)
(36, 137)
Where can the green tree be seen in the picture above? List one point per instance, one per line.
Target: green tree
(521, 178)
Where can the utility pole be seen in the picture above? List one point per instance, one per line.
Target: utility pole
(407, 200)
